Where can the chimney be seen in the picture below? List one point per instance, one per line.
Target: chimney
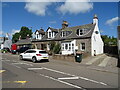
(20, 37)
(27, 36)
(64, 24)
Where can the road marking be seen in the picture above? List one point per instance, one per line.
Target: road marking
(22, 82)
(104, 62)
(1, 71)
(66, 78)
(93, 60)
(23, 63)
(62, 82)
(75, 76)
(35, 68)
(58, 71)
(15, 66)
(5, 60)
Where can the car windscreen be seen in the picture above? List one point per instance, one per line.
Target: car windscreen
(43, 52)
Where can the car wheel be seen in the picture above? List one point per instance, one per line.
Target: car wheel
(21, 57)
(34, 59)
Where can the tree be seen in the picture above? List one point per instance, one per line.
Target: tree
(57, 48)
(15, 37)
(109, 40)
(23, 33)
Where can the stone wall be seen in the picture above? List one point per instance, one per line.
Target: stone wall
(87, 45)
(70, 58)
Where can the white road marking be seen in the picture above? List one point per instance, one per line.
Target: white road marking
(35, 68)
(93, 60)
(15, 65)
(12, 65)
(58, 71)
(5, 60)
(23, 63)
(66, 78)
(104, 62)
(75, 76)
(62, 82)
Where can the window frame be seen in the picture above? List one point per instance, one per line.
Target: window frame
(82, 47)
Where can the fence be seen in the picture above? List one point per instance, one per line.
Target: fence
(111, 50)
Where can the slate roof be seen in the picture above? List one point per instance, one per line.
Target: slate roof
(23, 42)
(53, 29)
(73, 35)
(41, 31)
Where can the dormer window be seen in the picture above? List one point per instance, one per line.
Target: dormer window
(49, 34)
(37, 36)
(65, 33)
(81, 32)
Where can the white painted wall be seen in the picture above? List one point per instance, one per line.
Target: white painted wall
(39, 35)
(1, 46)
(71, 51)
(52, 34)
(48, 47)
(96, 40)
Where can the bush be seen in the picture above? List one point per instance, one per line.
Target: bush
(56, 49)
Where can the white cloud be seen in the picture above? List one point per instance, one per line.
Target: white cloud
(75, 7)
(112, 20)
(14, 31)
(38, 8)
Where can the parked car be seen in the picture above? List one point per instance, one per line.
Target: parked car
(5, 50)
(22, 49)
(34, 55)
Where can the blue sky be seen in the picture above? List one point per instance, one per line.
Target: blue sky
(37, 15)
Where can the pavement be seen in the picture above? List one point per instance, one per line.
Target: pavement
(103, 62)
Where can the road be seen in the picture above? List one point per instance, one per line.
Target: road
(53, 74)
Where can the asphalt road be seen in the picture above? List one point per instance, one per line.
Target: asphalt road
(52, 74)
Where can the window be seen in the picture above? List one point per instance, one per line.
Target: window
(30, 51)
(81, 31)
(72, 47)
(43, 52)
(49, 34)
(65, 33)
(69, 46)
(37, 36)
(82, 46)
(66, 46)
(62, 46)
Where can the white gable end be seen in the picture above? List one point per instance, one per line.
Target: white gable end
(96, 41)
(38, 36)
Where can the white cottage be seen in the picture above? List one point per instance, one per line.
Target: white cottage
(84, 38)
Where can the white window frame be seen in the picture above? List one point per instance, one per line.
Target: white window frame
(72, 46)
